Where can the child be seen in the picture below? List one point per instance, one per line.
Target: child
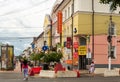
(92, 68)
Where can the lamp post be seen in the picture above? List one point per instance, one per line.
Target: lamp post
(111, 33)
(109, 38)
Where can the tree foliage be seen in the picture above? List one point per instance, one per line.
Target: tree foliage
(37, 56)
(46, 57)
(52, 57)
(114, 3)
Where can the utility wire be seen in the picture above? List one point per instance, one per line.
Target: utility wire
(2, 38)
(21, 10)
(1, 19)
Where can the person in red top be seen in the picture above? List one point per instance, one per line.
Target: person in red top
(25, 69)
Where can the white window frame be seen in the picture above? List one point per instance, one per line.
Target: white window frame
(65, 14)
(68, 12)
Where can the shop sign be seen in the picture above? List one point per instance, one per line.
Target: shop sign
(82, 50)
(75, 44)
(75, 54)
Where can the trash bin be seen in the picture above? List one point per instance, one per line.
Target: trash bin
(45, 67)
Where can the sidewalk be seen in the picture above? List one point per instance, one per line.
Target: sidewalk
(16, 70)
(83, 73)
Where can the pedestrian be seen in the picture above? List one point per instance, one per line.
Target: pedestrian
(25, 69)
(92, 68)
(21, 62)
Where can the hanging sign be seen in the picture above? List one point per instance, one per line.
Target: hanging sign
(82, 50)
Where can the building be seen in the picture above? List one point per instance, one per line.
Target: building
(47, 31)
(27, 52)
(85, 30)
(38, 43)
(55, 34)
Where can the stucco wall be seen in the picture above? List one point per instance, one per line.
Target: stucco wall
(86, 5)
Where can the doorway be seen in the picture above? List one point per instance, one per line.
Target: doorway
(82, 58)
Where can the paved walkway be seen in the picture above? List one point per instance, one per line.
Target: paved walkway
(18, 70)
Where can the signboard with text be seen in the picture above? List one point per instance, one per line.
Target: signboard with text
(68, 43)
(75, 45)
(82, 50)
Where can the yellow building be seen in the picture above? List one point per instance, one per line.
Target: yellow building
(91, 21)
(83, 23)
(47, 30)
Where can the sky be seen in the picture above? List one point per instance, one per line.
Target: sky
(21, 20)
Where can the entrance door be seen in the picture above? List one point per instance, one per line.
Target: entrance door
(82, 58)
(82, 62)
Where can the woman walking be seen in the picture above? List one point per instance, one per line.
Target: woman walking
(25, 69)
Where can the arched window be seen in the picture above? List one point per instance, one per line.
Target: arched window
(82, 41)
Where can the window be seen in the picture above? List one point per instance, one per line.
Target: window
(65, 14)
(71, 29)
(68, 31)
(68, 11)
(71, 9)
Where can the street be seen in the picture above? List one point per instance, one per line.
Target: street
(17, 77)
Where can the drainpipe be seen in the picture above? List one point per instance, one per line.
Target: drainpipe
(72, 32)
(92, 29)
(51, 33)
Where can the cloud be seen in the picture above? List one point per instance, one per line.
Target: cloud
(22, 32)
(22, 18)
(7, 42)
(26, 45)
(18, 49)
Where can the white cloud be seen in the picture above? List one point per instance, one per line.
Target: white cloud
(18, 49)
(7, 42)
(22, 18)
(24, 32)
(26, 45)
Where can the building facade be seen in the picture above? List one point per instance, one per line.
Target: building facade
(47, 31)
(88, 22)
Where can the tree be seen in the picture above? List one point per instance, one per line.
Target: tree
(37, 57)
(114, 3)
(52, 57)
(33, 57)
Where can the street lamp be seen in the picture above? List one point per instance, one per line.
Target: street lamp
(75, 30)
(109, 38)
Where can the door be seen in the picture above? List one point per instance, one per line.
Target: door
(82, 58)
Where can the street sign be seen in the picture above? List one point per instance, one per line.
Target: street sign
(44, 48)
(69, 61)
(82, 50)
(89, 55)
